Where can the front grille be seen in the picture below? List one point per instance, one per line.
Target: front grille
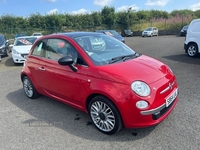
(24, 55)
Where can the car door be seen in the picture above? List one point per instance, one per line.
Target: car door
(59, 81)
(33, 63)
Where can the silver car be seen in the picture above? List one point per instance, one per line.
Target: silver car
(150, 31)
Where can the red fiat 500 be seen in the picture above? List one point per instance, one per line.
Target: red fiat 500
(101, 76)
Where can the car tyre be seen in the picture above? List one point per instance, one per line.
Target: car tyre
(104, 115)
(192, 50)
(6, 52)
(29, 88)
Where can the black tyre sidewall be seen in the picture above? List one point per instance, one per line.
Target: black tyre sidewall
(196, 48)
(35, 93)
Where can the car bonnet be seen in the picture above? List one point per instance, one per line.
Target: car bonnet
(142, 68)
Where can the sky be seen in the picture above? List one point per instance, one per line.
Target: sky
(25, 8)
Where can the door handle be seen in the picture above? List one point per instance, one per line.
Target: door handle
(41, 68)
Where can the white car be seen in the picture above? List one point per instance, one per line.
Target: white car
(150, 31)
(21, 48)
(37, 34)
(192, 40)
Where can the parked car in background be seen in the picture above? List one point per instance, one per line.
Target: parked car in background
(184, 30)
(21, 48)
(20, 35)
(116, 86)
(150, 31)
(113, 33)
(192, 40)
(37, 34)
(4, 45)
(126, 33)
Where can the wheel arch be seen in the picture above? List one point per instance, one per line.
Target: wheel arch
(192, 42)
(23, 75)
(91, 96)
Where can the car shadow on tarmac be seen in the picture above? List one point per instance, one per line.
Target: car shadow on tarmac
(49, 112)
(9, 62)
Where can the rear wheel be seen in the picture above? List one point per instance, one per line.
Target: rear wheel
(105, 115)
(192, 50)
(29, 88)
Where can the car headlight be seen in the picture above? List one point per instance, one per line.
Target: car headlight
(15, 52)
(140, 88)
(142, 104)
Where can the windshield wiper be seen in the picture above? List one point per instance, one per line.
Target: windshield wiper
(123, 58)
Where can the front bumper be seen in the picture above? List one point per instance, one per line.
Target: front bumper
(157, 110)
(19, 58)
(146, 34)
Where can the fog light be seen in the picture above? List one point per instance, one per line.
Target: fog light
(142, 104)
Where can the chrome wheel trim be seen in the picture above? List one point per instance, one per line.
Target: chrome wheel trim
(102, 116)
(28, 88)
(191, 51)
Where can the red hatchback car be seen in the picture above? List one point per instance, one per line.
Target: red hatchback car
(103, 77)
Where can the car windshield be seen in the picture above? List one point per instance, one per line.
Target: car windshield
(185, 27)
(24, 41)
(104, 49)
(128, 31)
(148, 29)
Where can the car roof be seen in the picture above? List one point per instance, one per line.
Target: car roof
(26, 37)
(20, 34)
(77, 34)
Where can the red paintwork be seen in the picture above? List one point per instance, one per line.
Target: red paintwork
(113, 81)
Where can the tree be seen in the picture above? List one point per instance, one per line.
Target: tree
(108, 16)
(96, 16)
(54, 22)
(36, 21)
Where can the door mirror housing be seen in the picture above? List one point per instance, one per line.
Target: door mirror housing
(66, 60)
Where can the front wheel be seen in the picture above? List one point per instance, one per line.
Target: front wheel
(29, 88)
(105, 115)
(192, 50)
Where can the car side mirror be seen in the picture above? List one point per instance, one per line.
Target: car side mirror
(66, 60)
(7, 42)
(11, 46)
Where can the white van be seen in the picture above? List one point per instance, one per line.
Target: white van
(192, 40)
